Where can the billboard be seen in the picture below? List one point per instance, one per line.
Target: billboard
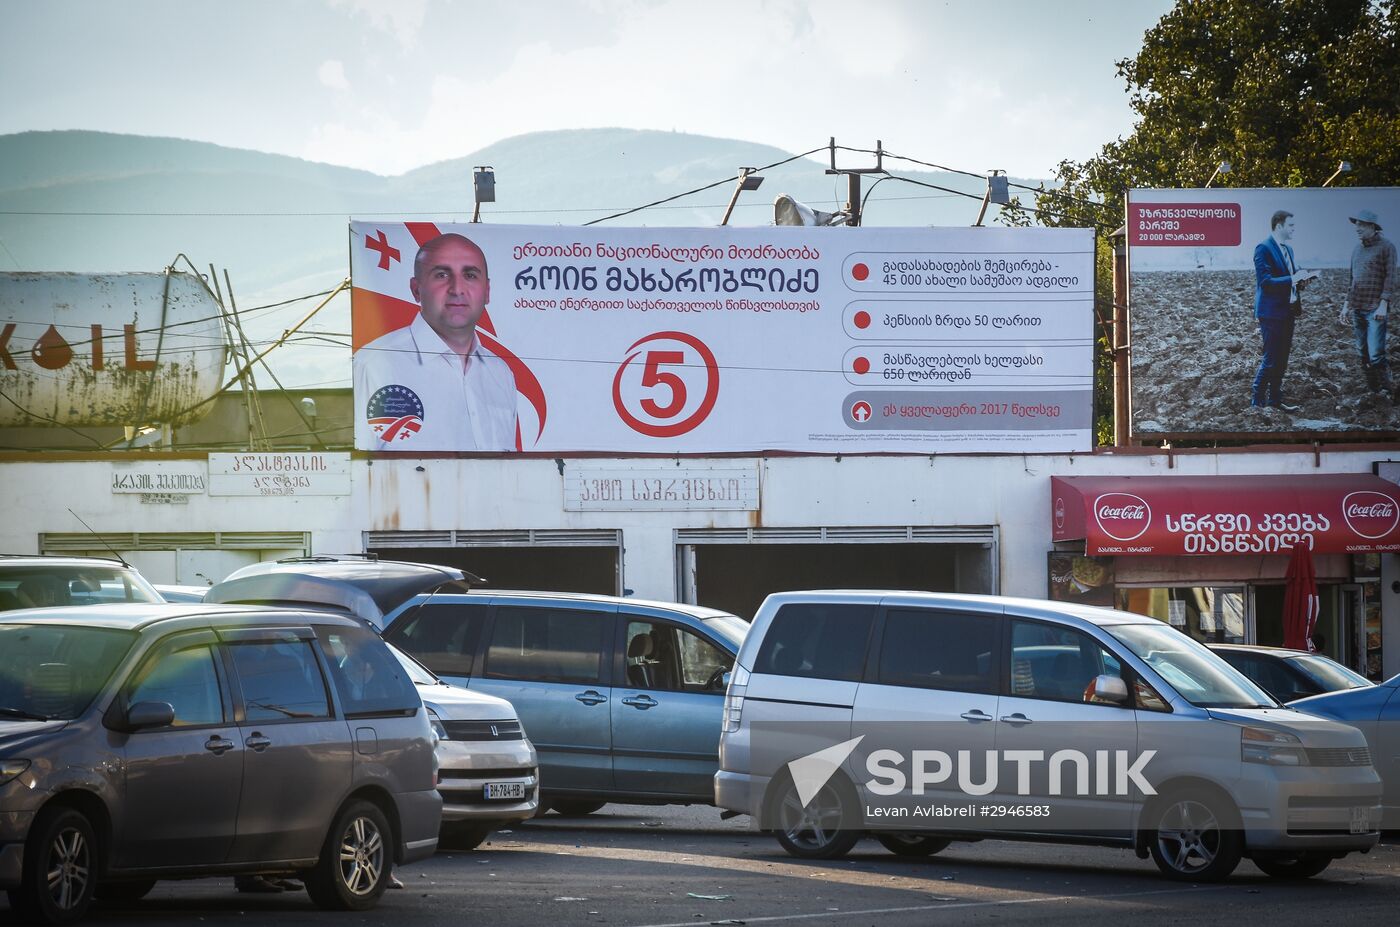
(1237, 323)
(491, 338)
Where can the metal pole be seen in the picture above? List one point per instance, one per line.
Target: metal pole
(853, 194)
(1120, 344)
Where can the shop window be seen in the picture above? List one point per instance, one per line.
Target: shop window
(1210, 614)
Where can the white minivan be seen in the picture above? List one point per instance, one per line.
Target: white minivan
(921, 718)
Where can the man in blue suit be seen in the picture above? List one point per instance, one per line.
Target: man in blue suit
(1276, 306)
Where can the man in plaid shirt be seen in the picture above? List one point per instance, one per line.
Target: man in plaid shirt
(1368, 300)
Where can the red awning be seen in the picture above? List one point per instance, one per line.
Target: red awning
(1176, 515)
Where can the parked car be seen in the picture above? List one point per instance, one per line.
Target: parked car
(488, 773)
(44, 581)
(154, 741)
(1289, 675)
(1375, 710)
(622, 697)
(177, 593)
(488, 769)
(833, 692)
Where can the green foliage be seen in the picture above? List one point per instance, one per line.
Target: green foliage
(1281, 89)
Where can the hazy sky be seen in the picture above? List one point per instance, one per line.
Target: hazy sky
(389, 85)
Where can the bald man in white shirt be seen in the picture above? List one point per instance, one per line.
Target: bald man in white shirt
(432, 385)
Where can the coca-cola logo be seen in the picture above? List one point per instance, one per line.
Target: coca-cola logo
(1122, 515)
(1059, 513)
(1370, 514)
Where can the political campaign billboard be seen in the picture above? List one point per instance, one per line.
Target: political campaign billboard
(1262, 311)
(498, 339)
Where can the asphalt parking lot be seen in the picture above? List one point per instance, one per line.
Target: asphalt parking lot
(640, 867)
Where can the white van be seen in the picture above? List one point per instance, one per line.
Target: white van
(921, 718)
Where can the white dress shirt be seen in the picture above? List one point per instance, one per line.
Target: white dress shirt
(411, 394)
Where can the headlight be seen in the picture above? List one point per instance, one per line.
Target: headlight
(11, 768)
(439, 731)
(1276, 748)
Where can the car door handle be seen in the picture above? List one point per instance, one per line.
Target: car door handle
(640, 701)
(591, 697)
(258, 743)
(1017, 719)
(975, 715)
(217, 745)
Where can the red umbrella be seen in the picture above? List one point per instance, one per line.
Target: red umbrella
(1300, 601)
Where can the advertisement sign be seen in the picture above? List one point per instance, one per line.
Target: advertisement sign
(635, 341)
(1085, 580)
(1255, 311)
(1175, 516)
(303, 473)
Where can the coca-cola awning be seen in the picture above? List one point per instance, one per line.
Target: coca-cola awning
(1176, 515)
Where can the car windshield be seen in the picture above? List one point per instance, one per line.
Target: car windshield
(47, 586)
(415, 670)
(53, 671)
(1329, 674)
(1198, 675)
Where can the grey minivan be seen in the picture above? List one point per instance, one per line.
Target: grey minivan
(622, 697)
(155, 741)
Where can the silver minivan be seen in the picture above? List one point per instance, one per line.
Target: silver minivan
(922, 718)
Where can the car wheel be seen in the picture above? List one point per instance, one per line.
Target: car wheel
(463, 835)
(820, 829)
(124, 892)
(1194, 837)
(353, 870)
(907, 844)
(576, 809)
(60, 869)
(1297, 867)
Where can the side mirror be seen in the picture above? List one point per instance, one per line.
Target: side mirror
(725, 679)
(1107, 689)
(149, 714)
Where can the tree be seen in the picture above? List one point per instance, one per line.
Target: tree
(1282, 89)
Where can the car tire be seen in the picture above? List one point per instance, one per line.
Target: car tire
(356, 860)
(1195, 836)
(1297, 867)
(912, 844)
(576, 809)
(124, 892)
(461, 836)
(820, 829)
(60, 869)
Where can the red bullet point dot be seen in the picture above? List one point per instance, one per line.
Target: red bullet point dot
(860, 271)
(861, 365)
(862, 319)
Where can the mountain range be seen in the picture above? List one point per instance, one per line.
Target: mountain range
(99, 202)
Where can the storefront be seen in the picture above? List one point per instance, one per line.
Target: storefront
(1209, 554)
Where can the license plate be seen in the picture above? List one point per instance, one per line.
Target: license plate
(1360, 820)
(497, 791)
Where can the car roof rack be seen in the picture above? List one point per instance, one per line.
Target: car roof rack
(329, 558)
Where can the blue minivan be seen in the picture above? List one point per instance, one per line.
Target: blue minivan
(622, 698)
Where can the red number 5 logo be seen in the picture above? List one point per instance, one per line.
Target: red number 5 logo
(667, 391)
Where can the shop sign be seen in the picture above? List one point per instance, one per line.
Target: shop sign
(279, 474)
(722, 489)
(159, 477)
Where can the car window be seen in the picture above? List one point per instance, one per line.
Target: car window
(184, 675)
(55, 671)
(1327, 673)
(939, 650)
(1197, 674)
(1053, 662)
(369, 679)
(444, 636)
(817, 640)
(51, 586)
(280, 680)
(547, 644)
(663, 656)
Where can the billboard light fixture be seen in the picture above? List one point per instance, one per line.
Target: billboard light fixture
(1343, 167)
(1222, 168)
